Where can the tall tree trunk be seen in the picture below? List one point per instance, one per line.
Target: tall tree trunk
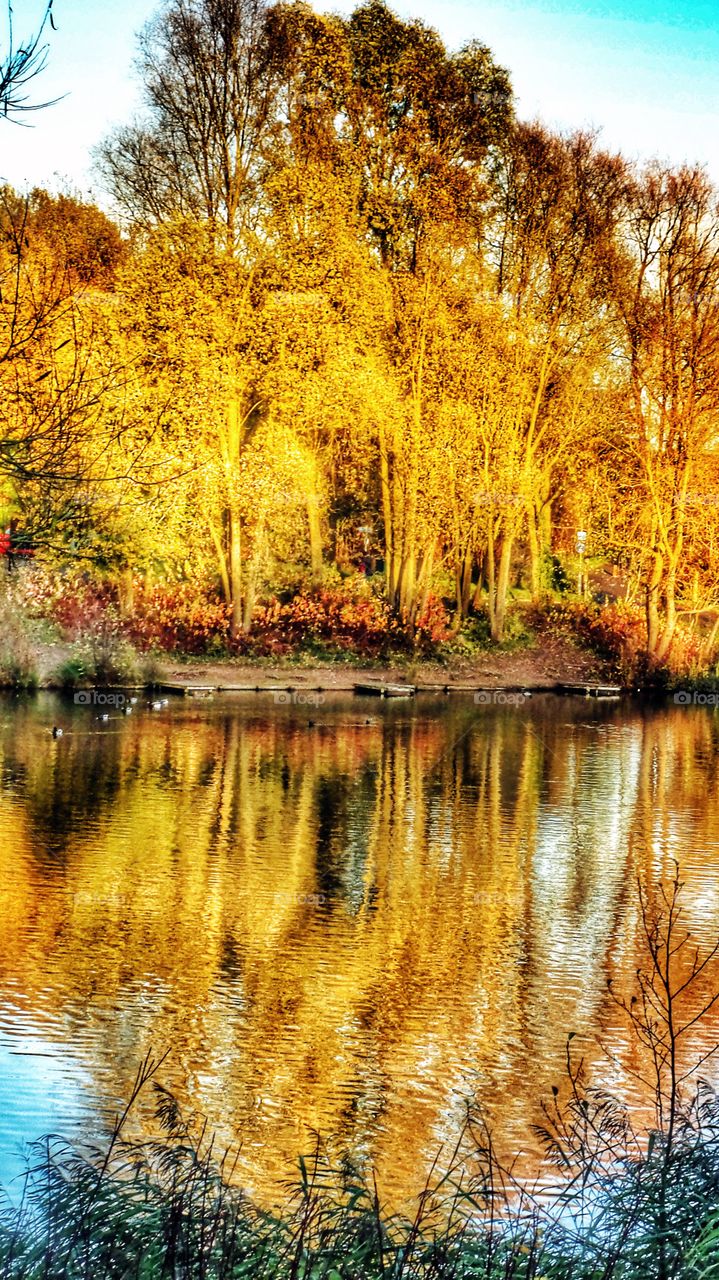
(539, 538)
(408, 584)
(502, 588)
(544, 521)
(314, 524)
(535, 555)
(232, 447)
(463, 588)
(235, 536)
(254, 565)
(674, 557)
(481, 584)
(249, 602)
(491, 577)
(422, 586)
(388, 515)
(669, 624)
(221, 561)
(652, 606)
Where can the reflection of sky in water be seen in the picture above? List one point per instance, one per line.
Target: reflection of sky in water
(41, 1091)
(579, 860)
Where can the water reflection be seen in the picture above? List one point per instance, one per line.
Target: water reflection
(349, 924)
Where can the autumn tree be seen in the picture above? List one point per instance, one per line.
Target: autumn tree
(83, 239)
(422, 123)
(190, 174)
(327, 314)
(203, 344)
(60, 377)
(549, 245)
(359, 286)
(667, 290)
(197, 152)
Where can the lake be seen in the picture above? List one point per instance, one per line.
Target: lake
(348, 918)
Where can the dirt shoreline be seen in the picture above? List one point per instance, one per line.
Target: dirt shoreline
(536, 668)
(542, 667)
(545, 666)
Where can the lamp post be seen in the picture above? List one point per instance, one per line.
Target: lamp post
(581, 548)
(366, 530)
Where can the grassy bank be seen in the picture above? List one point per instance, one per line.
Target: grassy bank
(611, 1197)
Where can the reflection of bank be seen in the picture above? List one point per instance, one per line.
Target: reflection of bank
(41, 1091)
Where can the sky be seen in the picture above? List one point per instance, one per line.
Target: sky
(645, 74)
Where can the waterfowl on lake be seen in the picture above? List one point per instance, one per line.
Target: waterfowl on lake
(56, 732)
(156, 706)
(104, 716)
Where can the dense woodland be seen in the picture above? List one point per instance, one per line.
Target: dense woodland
(357, 333)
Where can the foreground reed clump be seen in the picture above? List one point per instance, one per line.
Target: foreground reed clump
(635, 1203)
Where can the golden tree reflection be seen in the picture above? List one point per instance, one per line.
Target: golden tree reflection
(348, 925)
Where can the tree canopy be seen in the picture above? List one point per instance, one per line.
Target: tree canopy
(360, 319)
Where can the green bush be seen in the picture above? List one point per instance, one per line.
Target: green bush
(102, 655)
(474, 636)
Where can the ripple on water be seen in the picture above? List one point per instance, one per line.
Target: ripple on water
(352, 928)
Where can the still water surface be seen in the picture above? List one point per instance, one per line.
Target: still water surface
(349, 920)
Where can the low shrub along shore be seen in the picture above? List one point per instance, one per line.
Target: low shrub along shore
(69, 630)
